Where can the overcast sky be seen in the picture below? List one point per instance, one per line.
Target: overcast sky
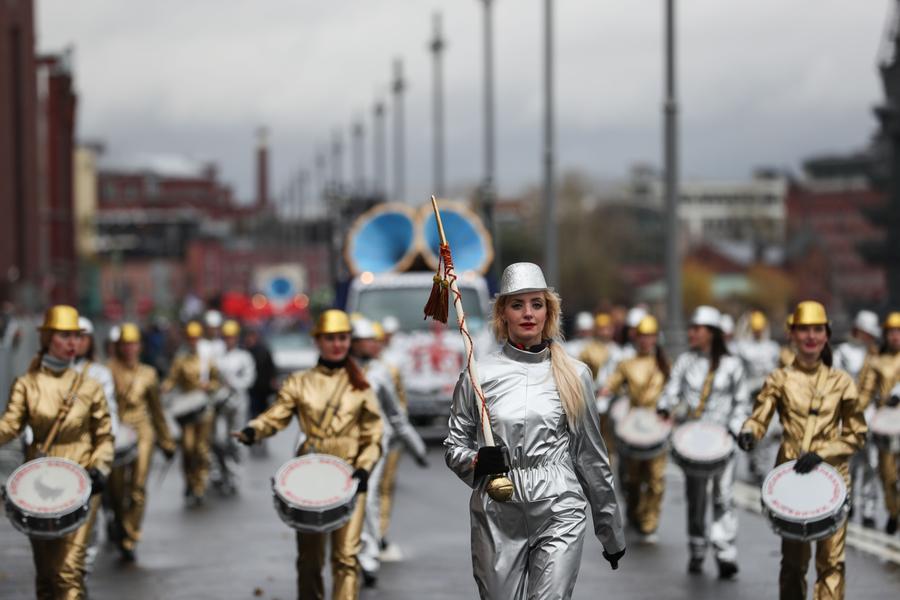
(762, 82)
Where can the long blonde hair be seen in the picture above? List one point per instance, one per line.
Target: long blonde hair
(562, 366)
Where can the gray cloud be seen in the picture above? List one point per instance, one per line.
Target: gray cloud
(762, 81)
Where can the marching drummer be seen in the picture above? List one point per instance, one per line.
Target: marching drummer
(881, 375)
(708, 384)
(189, 373)
(60, 403)
(364, 349)
(339, 415)
(852, 356)
(760, 356)
(541, 408)
(238, 372)
(823, 421)
(137, 393)
(644, 377)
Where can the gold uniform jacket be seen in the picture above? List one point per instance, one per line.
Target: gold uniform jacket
(184, 374)
(336, 419)
(878, 377)
(595, 355)
(137, 395)
(832, 426)
(643, 378)
(85, 435)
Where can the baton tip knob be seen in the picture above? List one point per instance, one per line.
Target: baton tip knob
(500, 489)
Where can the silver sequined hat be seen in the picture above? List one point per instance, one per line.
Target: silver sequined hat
(522, 277)
(707, 316)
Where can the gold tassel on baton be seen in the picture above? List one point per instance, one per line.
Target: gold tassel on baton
(500, 488)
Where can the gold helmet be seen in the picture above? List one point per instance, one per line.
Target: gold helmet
(602, 320)
(648, 326)
(892, 321)
(60, 318)
(332, 321)
(231, 328)
(379, 330)
(193, 329)
(129, 333)
(809, 312)
(758, 321)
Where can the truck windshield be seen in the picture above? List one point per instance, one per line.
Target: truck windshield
(406, 305)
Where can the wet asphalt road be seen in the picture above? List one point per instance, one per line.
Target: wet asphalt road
(238, 548)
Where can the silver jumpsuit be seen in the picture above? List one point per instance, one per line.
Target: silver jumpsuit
(851, 356)
(396, 426)
(727, 405)
(530, 547)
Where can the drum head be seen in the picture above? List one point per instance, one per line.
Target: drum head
(315, 482)
(886, 421)
(126, 437)
(48, 487)
(642, 427)
(801, 498)
(619, 409)
(702, 441)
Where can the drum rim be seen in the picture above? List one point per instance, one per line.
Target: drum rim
(200, 405)
(706, 424)
(49, 515)
(875, 421)
(336, 460)
(666, 427)
(789, 465)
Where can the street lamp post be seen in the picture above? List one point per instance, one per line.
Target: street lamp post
(379, 150)
(487, 186)
(551, 248)
(398, 87)
(673, 257)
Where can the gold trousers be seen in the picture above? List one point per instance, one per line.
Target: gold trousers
(345, 547)
(59, 563)
(195, 452)
(128, 488)
(386, 489)
(644, 487)
(829, 568)
(888, 466)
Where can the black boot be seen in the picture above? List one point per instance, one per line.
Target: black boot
(695, 566)
(727, 570)
(891, 527)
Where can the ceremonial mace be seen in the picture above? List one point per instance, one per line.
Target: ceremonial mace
(499, 487)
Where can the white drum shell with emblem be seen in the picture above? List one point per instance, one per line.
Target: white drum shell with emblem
(702, 448)
(315, 493)
(642, 434)
(48, 498)
(805, 507)
(126, 445)
(885, 428)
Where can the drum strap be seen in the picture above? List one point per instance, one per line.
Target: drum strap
(64, 408)
(704, 394)
(331, 408)
(809, 428)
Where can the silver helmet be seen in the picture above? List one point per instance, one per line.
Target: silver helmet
(522, 277)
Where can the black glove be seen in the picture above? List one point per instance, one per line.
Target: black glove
(663, 413)
(746, 441)
(98, 481)
(807, 462)
(169, 453)
(491, 460)
(614, 558)
(363, 477)
(248, 436)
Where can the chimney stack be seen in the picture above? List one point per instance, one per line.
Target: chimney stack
(262, 168)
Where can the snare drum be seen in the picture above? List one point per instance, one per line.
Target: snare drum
(805, 507)
(702, 448)
(315, 493)
(885, 428)
(188, 406)
(48, 497)
(619, 408)
(641, 434)
(126, 445)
